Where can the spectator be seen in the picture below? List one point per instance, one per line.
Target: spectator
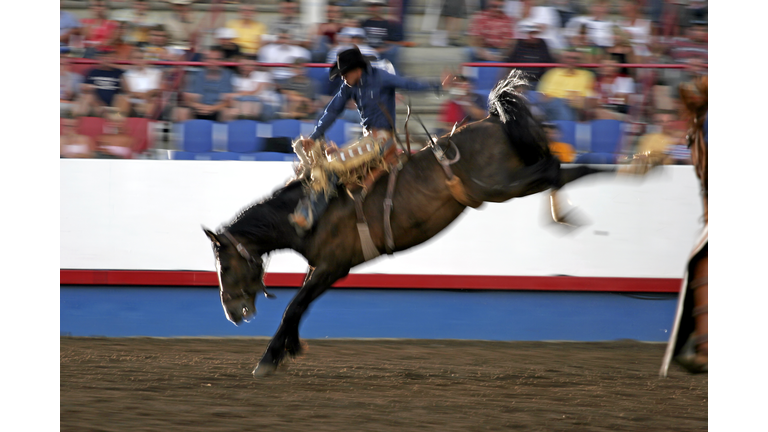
(530, 48)
(638, 28)
(560, 150)
(599, 27)
(464, 104)
(613, 91)
(114, 143)
(351, 36)
(567, 89)
(145, 83)
(69, 86)
(692, 49)
(580, 42)
(664, 139)
(248, 31)
(697, 11)
(225, 37)
(72, 144)
(300, 93)
(139, 22)
(157, 48)
(694, 45)
(181, 24)
(333, 24)
(671, 20)
(491, 33)
(455, 13)
(98, 31)
(545, 18)
(208, 92)
(289, 21)
(284, 50)
(120, 46)
(104, 87)
(621, 51)
(383, 34)
(68, 26)
(254, 96)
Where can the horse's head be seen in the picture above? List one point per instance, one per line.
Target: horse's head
(241, 276)
(694, 98)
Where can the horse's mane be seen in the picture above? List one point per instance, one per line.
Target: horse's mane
(511, 107)
(268, 216)
(694, 97)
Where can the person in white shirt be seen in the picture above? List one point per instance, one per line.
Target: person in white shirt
(144, 83)
(255, 96)
(639, 29)
(599, 27)
(283, 50)
(347, 37)
(545, 18)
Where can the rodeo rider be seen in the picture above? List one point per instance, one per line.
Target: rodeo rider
(372, 89)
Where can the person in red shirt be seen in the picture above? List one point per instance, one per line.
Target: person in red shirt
(99, 32)
(491, 33)
(464, 105)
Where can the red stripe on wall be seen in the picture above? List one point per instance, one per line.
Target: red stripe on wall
(534, 283)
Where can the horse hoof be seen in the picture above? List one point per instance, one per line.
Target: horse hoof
(263, 370)
(693, 364)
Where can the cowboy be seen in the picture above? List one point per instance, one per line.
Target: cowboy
(373, 90)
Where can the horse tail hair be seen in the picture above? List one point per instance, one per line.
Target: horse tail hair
(523, 129)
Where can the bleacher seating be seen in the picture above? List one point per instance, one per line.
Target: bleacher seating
(605, 136)
(286, 128)
(242, 138)
(567, 130)
(139, 129)
(196, 136)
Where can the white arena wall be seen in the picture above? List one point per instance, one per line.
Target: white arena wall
(147, 215)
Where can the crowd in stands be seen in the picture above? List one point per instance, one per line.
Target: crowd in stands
(605, 34)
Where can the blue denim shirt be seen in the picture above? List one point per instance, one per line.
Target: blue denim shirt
(375, 86)
(211, 91)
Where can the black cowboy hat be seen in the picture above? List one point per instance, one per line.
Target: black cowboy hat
(346, 61)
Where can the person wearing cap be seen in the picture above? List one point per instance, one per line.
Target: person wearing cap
(530, 48)
(373, 90)
(383, 34)
(349, 37)
(226, 39)
(247, 30)
(139, 22)
(181, 24)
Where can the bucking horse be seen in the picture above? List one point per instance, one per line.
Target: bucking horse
(503, 156)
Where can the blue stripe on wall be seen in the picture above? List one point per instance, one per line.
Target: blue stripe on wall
(371, 313)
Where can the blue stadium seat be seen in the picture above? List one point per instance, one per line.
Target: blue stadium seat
(605, 136)
(286, 128)
(273, 156)
(337, 132)
(197, 136)
(487, 77)
(320, 76)
(241, 137)
(567, 131)
(596, 158)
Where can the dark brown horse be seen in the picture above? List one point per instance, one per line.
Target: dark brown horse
(503, 156)
(688, 343)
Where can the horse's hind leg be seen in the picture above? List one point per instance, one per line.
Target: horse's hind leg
(286, 339)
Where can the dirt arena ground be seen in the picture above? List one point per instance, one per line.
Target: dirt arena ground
(147, 384)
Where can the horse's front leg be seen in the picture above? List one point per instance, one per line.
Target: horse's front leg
(286, 339)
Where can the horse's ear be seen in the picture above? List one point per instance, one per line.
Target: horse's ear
(213, 237)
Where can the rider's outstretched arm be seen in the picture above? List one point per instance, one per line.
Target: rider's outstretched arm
(389, 80)
(332, 111)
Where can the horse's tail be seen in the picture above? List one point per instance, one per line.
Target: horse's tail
(510, 106)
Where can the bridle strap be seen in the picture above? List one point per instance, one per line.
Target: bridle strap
(240, 248)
